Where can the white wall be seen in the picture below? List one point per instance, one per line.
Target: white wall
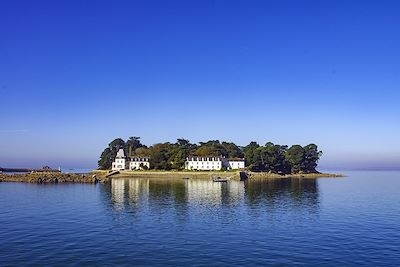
(235, 164)
(135, 165)
(199, 163)
(119, 164)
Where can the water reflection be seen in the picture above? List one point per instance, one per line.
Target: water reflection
(291, 195)
(132, 193)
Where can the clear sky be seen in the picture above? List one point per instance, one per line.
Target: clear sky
(76, 74)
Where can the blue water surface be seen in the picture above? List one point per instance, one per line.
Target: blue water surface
(351, 221)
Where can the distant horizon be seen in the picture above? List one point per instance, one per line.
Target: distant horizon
(75, 75)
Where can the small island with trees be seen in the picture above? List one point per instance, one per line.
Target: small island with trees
(169, 160)
(260, 160)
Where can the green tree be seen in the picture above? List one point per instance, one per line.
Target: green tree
(252, 156)
(232, 150)
(179, 152)
(105, 160)
(141, 152)
(132, 144)
(160, 156)
(108, 155)
(295, 157)
(211, 148)
(311, 158)
(273, 158)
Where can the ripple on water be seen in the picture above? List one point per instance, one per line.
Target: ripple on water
(350, 221)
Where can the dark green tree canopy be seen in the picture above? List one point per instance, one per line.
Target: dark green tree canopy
(108, 155)
(269, 158)
(295, 157)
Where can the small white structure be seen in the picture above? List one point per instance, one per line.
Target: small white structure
(234, 164)
(213, 163)
(120, 162)
(139, 163)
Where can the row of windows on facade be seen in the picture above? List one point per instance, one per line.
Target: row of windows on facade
(205, 168)
(208, 159)
(206, 162)
(132, 163)
(214, 162)
(204, 159)
(133, 160)
(140, 159)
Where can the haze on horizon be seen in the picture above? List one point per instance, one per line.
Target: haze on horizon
(75, 75)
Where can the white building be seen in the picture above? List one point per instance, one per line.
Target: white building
(120, 162)
(139, 163)
(203, 163)
(213, 163)
(234, 164)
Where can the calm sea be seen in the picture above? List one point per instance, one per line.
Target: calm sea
(352, 221)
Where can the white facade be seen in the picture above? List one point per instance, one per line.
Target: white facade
(203, 163)
(213, 163)
(120, 162)
(139, 163)
(123, 163)
(234, 164)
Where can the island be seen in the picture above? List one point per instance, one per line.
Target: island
(182, 159)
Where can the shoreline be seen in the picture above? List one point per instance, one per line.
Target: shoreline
(103, 176)
(235, 175)
(52, 177)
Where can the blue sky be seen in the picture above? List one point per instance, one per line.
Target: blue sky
(76, 74)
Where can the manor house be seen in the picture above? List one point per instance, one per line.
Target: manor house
(213, 163)
(122, 162)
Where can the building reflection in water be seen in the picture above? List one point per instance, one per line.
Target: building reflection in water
(133, 193)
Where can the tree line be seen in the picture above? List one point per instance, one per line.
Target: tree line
(271, 157)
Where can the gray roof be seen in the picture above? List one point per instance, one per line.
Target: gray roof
(120, 154)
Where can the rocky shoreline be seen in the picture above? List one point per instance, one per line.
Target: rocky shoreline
(294, 175)
(105, 176)
(53, 177)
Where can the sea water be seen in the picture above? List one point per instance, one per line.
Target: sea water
(350, 221)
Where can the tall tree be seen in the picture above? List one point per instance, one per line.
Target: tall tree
(105, 160)
(211, 148)
(273, 158)
(251, 155)
(132, 144)
(311, 157)
(108, 155)
(179, 151)
(160, 156)
(295, 157)
(232, 150)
